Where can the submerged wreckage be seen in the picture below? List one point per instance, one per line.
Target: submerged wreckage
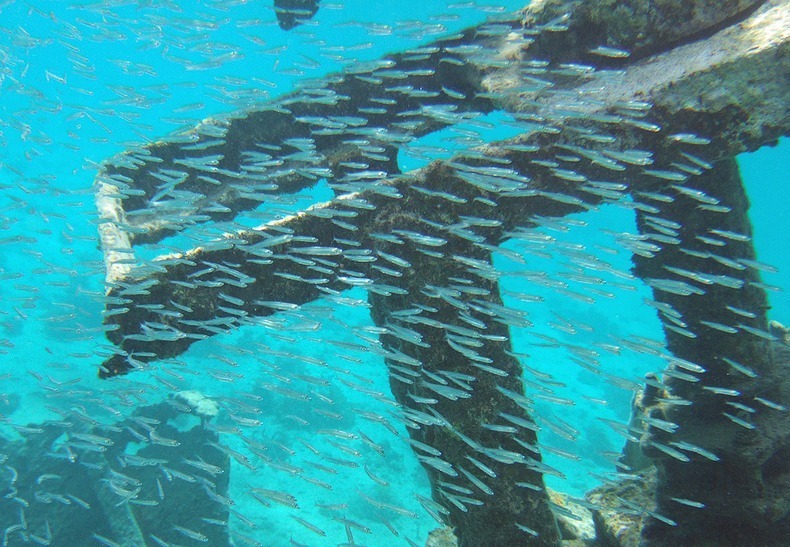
(642, 103)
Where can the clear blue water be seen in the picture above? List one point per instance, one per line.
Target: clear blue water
(81, 82)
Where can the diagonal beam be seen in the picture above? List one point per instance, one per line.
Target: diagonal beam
(263, 264)
(229, 165)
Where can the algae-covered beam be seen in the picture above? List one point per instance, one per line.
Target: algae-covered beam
(360, 116)
(629, 29)
(729, 87)
(462, 396)
(175, 300)
(726, 386)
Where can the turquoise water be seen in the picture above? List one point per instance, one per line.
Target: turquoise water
(82, 82)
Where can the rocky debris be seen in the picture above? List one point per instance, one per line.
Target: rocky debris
(442, 537)
(639, 26)
(618, 523)
(781, 332)
(201, 405)
(574, 520)
(129, 480)
(646, 402)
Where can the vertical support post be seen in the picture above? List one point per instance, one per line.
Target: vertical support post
(731, 411)
(454, 378)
